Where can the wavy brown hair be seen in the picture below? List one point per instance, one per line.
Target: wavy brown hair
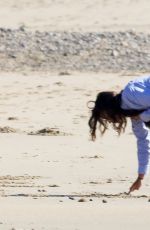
(107, 109)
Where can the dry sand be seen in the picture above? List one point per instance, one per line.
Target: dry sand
(42, 177)
(60, 15)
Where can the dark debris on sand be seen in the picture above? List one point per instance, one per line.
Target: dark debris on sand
(48, 132)
(7, 129)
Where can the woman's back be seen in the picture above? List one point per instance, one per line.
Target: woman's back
(136, 94)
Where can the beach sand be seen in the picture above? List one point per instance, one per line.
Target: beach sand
(45, 174)
(52, 176)
(69, 15)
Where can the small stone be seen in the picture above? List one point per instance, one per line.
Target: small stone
(22, 28)
(12, 56)
(64, 73)
(125, 44)
(53, 185)
(104, 201)
(9, 30)
(71, 198)
(12, 118)
(2, 48)
(65, 54)
(115, 53)
(90, 199)
(82, 200)
(59, 83)
(109, 181)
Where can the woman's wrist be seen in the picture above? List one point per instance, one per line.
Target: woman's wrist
(141, 176)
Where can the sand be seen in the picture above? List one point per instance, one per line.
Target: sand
(43, 177)
(44, 174)
(60, 15)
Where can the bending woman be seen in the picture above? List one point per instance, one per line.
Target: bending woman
(134, 102)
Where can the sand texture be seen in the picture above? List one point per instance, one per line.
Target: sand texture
(52, 175)
(55, 56)
(69, 15)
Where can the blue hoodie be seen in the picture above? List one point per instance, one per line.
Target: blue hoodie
(136, 95)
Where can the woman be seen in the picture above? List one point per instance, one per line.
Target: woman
(134, 102)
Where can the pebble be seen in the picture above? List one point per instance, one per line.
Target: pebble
(74, 51)
(71, 198)
(104, 201)
(115, 53)
(109, 180)
(125, 44)
(41, 190)
(82, 200)
(12, 118)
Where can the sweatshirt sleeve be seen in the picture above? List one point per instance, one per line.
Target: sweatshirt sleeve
(145, 116)
(142, 134)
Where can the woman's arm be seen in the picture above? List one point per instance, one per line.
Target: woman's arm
(142, 134)
(145, 116)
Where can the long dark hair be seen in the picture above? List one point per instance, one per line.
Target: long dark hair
(107, 109)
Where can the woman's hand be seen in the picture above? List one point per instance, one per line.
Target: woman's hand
(137, 184)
